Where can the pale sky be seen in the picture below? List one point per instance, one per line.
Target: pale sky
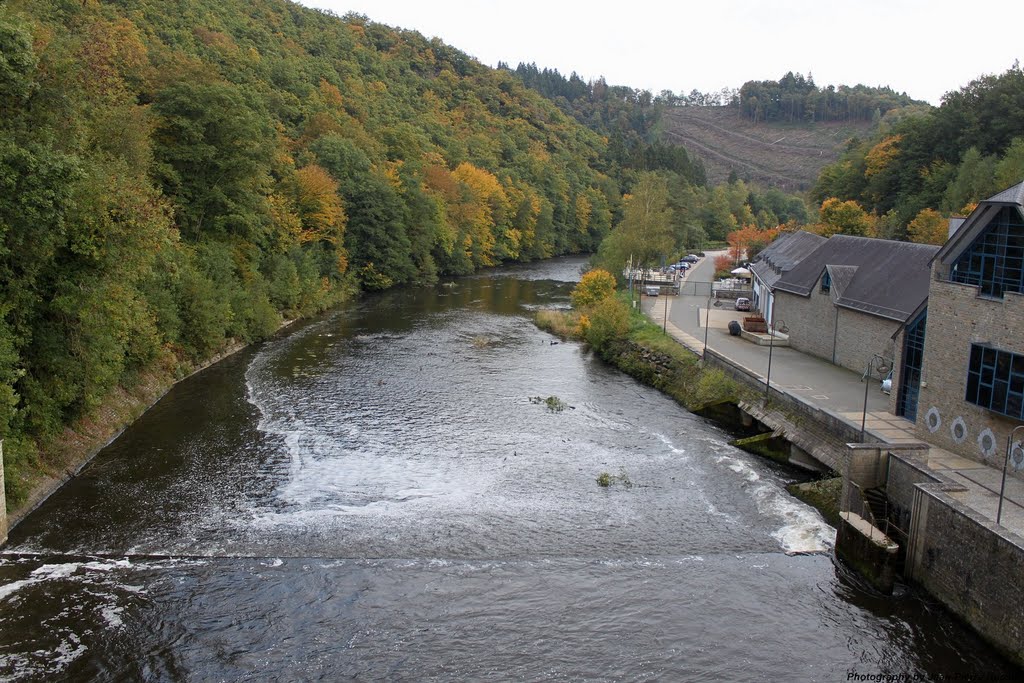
(922, 47)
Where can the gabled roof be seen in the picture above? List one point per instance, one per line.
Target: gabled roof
(979, 219)
(880, 277)
(782, 255)
(841, 276)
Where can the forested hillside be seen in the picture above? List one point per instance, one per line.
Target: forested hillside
(630, 119)
(174, 176)
(922, 167)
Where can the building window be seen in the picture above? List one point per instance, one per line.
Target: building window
(910, 373)
(995, 261)
(826, 282)
(995, 380)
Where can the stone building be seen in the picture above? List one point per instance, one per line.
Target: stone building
(777, 259)
(846, 300)
(964, 383)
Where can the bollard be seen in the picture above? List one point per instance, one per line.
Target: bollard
(3, 499)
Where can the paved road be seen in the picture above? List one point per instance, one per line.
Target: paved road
(831, 387)
(690, 320)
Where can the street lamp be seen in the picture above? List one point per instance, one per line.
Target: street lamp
(780, 326)
(879, 363)
(1002, 487)
(707, 324)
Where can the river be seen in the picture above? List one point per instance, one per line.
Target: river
(383, 494)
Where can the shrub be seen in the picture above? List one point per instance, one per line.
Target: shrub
(594, 287)
(609, 320)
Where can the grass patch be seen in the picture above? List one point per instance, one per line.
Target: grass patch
(607, 479)
(562, 324)
(553, 403)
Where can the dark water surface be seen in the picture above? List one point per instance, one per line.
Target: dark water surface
(375, 496)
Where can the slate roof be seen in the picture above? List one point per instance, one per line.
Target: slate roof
(979, 219)
(890, 278)
(841, 276)
(782, 255)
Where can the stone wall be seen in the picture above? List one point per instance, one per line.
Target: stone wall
(860, 336)
(839, 335)
(811, 321)
(970, 565)
(958, 316)
(897, 360)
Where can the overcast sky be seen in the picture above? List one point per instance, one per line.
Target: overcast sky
(922, 47)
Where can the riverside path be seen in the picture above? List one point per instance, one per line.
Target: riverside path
(693, 318)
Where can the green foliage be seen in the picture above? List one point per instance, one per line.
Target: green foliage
(609, 321)
(173, 181)
(553, 403)
(795, 99)
(946, 158)
(606, 479)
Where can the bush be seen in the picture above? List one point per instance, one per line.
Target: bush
(594, 287)
(609, 321)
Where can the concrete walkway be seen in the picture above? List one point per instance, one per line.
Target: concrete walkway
(836, 390)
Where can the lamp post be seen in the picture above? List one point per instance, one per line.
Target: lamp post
(1002, 487)
(882, 367)
(707, 323)
(664, 325)
(780, 326)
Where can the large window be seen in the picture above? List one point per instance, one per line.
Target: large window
(995, 380)
(995, 262)
(910, 373)
(826, 282)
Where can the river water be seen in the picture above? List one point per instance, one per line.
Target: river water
(380, 495)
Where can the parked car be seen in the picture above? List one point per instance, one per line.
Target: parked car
(692, 258)
(742, 304)
(652, 290)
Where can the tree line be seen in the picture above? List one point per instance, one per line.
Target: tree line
(796, 99)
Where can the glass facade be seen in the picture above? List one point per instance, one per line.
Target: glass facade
(995, 380)
(995, 261)
(910, 372)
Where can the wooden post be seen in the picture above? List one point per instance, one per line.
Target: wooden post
(3, 499)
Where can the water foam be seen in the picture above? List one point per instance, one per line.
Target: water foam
(803, 529)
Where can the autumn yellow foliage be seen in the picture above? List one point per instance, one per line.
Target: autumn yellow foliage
(593, 288)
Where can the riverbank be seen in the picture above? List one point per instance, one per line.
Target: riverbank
(63, 457)
(643, 352)
(646, 353)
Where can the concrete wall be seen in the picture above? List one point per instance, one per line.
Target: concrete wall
(957, 316)
(970, 565)
(839, 335)
(904, 473)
